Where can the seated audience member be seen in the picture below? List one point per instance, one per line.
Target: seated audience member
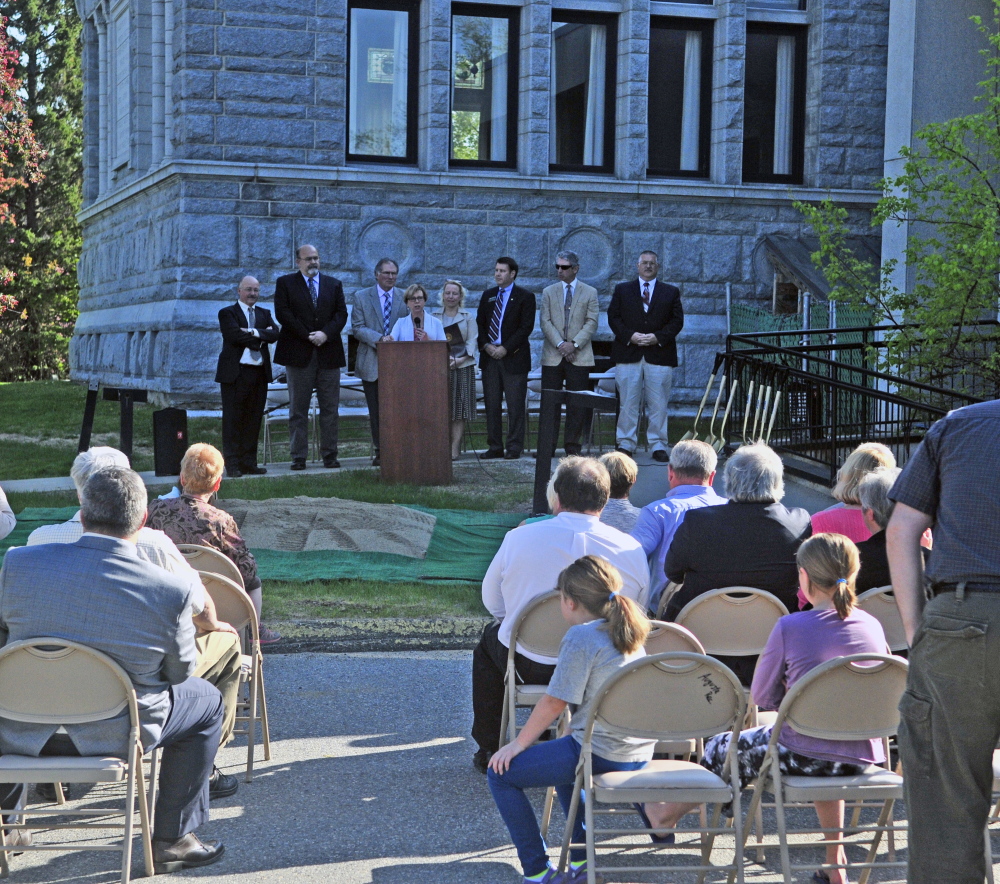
(527, 565)
(619, 512)
(690, 474)
(190, 518)
(827, 566)
(845, 516)
(7, 518)
(140, 616)
(749, 541)
(877, 508)
(606, 632)
(419, 325)
(218, 643)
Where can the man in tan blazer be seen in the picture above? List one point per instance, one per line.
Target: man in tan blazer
(569, 321)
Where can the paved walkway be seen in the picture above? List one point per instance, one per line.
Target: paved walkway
(364, 787)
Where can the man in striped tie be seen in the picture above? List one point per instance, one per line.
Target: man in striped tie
(505, 318)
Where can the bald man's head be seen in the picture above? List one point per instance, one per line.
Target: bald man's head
(249, 291)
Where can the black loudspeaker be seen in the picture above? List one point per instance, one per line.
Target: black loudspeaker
(170, 440)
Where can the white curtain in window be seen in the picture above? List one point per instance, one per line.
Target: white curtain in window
(553, 129)
(691, 103)
(784, 91)
(593, 139)
(356, 73)
(400, 79)
(498, 99)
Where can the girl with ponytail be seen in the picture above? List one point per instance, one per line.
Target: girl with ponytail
(607, 631)
(828, 565)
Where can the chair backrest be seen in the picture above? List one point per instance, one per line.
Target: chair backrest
(734, 621)
(540, 626)
(881, 604)
(205, 558)
(232, 604)
(666, 637)
(55, 681)
(847, 698)
(696, 696)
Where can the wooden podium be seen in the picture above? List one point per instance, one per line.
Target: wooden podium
(414, 412)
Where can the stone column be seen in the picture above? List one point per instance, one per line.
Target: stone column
(435, 85)
(534, 85)
(632, 93)
(727, 92)
(103, 103)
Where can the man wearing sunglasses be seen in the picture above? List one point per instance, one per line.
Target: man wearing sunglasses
(569, 312)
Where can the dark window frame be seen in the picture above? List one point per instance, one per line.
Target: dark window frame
(707, 28)
(610, 21)
(412, 86)
(513, 16)
(801, 34)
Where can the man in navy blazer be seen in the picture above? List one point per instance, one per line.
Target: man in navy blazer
(312, 312)
(505, 318)
(243, 373)
(100, 593)
(645, 316)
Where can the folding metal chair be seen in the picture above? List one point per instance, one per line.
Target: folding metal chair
(881, 604)
(847, 698)
(234, 606)
(664, 638)
(57, 682)
(696, 697)
(211, 561)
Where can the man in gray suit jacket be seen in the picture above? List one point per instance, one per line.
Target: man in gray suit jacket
(375, 312)
(140, 616)
(569, 313)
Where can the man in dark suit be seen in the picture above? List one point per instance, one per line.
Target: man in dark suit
(100, 593)
(505, 318)
(243, 374)
(312, 313)
(645, 316)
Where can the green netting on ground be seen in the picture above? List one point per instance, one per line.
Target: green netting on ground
(461, 548)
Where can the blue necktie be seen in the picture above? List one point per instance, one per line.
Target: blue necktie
(313, 291)
(387, 313)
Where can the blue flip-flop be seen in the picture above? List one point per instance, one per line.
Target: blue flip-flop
(657, 839)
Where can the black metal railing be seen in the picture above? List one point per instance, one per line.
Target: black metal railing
(814, 395)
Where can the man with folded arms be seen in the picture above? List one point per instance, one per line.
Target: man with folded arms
(140, 616)
(526, 566)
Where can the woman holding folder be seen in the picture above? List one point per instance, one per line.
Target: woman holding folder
(461, 333)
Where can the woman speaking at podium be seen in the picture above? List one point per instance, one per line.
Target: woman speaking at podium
(419, 325)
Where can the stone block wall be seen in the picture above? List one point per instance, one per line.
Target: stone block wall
(252, 161)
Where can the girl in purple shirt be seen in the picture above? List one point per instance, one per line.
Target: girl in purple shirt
(828, 565)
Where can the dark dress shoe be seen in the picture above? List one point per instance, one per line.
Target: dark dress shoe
(255, 471)
(188, 852)
(573, 451)
(491, 455)
(233, 473)
(47, 791)
(298, 465)
(626, 451)
(376, 461)
(660, 456)
(221, 785)
(512, 455)
(331, 463)
(481, 760)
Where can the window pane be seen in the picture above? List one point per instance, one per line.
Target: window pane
(120, 87)
(772, 99)
(679, 99)
(479, 99)
(774, 4)
(377, 119)
(578, 94)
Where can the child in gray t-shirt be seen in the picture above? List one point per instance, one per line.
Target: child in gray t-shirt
(608, 631)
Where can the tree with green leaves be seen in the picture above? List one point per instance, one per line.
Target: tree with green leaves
(949, 194)
(40, 240)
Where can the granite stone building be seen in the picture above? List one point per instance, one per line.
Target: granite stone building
(220, 133)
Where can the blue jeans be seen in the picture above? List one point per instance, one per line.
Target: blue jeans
(544, 764)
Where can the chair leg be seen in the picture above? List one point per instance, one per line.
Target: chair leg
(4, 864)
(134, 771)
(154, 779)
(550, 795)
(252, 716)
(60, 798)
(264, 727)
(505, 715)
(568, 833)
(779, 808)
(876, 840)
